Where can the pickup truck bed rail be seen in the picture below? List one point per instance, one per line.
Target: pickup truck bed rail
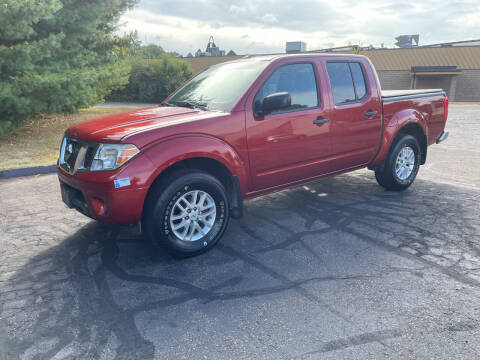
(396, 95)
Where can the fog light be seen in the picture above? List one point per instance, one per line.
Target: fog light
(97, 206)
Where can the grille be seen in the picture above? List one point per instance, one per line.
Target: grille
(89, 155)
(76, 155)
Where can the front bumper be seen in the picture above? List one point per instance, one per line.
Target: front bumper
(94, 194)
(443, 136)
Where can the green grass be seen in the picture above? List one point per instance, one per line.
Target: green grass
(38, 142)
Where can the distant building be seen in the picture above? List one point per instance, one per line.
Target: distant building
(453, 67)
(211, 50)
(295, 47)
(231, 53)
(189, 55)
(407, 41)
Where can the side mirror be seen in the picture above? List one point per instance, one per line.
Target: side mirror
(275, 102)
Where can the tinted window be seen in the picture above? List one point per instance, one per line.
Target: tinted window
(296, 79)
(341, 82)
(358, 80)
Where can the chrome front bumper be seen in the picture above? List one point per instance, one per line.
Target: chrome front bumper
(443, 136)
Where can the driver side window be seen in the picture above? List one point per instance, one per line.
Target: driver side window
(296, 79)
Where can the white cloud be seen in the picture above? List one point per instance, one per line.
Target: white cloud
(234, 9)
(269, 19)
(264, 26)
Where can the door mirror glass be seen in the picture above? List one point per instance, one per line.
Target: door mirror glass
(276, 102)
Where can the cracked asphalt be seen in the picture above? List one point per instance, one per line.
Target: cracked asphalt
(338, 269)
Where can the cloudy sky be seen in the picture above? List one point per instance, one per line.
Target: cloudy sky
(264, 26)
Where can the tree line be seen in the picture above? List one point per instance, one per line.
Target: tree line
(63, 55)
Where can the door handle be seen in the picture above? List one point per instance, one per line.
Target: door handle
(370, 113)
(321, 121)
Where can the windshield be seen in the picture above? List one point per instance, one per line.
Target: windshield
(219, 87)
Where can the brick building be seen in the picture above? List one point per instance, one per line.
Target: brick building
(454, 67)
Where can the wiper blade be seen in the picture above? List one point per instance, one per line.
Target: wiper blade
(189, 104)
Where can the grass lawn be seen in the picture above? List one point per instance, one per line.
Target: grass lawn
(38, 143)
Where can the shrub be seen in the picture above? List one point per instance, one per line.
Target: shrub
(152, 80)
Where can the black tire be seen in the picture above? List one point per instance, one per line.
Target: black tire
(387, 176)
(160, 206)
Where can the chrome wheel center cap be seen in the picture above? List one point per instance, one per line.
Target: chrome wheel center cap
(194, 215)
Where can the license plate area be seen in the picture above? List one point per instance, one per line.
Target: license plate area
(74, 199)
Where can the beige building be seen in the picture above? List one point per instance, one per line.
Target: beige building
(456, 69)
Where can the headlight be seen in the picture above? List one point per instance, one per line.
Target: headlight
(112, 156)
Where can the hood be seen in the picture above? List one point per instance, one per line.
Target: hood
(114, 128)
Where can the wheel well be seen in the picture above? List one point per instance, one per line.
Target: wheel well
(416, 131)
(213, 167)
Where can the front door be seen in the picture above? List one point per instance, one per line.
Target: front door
(290, 144)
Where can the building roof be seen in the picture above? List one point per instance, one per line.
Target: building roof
(464, 58)
(456, 43)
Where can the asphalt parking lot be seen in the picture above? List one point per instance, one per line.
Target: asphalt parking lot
(339, 269)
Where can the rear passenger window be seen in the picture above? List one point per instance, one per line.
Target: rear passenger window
(347, 82)
(358, 80)
(296, 79)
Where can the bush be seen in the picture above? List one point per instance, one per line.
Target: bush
(152, 80)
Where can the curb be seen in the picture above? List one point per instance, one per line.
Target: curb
(30, 171)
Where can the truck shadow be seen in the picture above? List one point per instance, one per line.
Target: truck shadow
(88, 293)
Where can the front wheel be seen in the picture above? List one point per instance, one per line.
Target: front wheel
(187, 213)
(401, 165)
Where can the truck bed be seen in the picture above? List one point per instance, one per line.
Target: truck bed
(393, 95)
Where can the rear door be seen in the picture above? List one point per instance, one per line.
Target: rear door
(290, 144)
(356, 114)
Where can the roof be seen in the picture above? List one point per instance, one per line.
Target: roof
(456, 43)
(464, 58)
(435, 70)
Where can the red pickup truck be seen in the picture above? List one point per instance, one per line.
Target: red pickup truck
(243, 129)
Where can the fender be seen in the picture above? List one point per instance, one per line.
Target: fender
(172, 150)
(393, 127)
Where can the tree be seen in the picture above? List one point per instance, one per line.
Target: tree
(153, 79)
(151, 51)
(58, 55)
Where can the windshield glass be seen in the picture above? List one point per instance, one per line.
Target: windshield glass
(219, 87)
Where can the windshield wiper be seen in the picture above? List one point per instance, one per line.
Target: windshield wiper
(188, 104)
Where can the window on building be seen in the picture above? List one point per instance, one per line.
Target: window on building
(347, 82)
(296, 79)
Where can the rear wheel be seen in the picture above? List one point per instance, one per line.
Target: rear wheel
(187, 213)
(402, 164)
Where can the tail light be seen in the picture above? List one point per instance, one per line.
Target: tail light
(445, 109)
